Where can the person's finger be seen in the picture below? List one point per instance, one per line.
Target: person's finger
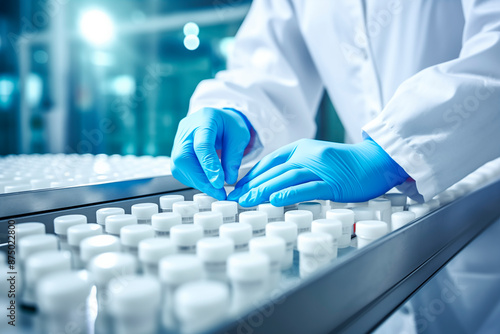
(302, 193)
(204, 148)
(234, 142)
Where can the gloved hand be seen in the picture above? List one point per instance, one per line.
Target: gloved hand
(195, 162)
(311, 169)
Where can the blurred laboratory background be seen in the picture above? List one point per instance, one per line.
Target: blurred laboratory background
(112, 77)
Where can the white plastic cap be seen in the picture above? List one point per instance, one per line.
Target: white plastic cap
(273, 247)
(284, 230)
(396, 199)
(248, 266)
(258, 219)
(185, 208)
(346, 216)
(371, 229)
(419, 209)
(63, 292)
(62, 223)
(164, 221)
(115, 223)
(152, 250)
(227, 208)
(41, 264)
(433, 204)
(101, 214)
(186, 234)
(26, 229)
(90, 247)
(107, 266)
(133, 234)
(363, 213)
(180, 268)
(214, 249)
(333, 227)
(317, 243)
(380, 203)
(79, 232)
(204, 201)
(36, 243)
(273, 212)
(197, 301)
(130, 295)
(400, 219)
(209, 220)
(303, 218)
(144, 210)
(240, 233)
(313, 207)
(167, 201)
(445, 197)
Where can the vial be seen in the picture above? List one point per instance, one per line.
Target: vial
(201, 305)
(333, 228)
(75, 235)
(383, 205)
(103, 213)
(114, 223)
(291, 207)
(131, 235)
(240, 233)
(303, 219)
(242, 209)
(210, 221)
(314, 207)
(315, 249)
(213, 252)
(228, 209)
(26, 229)
(167, 201)
(163, 222)
(288, 232)
(274, 248)
(204, 201)
(249, 274)
(93, 246)
(398, 201)
(433, 204)
(58, 296)
(185, 237)
(370, 230)
(362, 213)
(151, 251)
(258, 221)
(186, 209)
(346, 217)
(144, 211)
(419, 210)
(400, 219)
(134, 304)
(274, 213)
(61, 225)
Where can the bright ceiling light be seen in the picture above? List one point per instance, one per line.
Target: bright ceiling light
(191, 42)
(96, 27)
(191, 28)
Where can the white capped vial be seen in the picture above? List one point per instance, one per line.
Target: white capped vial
(201, 305)
(167, 201)
(433, 204)
(210, 221)
(114, 223)
(383, 206)
(315, 249)
(333, 228)
(213, 252)
(58, 296)
(101, 214)
(185, 237)
(61, 225)
(204, 201)
(287, 208)
(419, 210)
(26, 229)
(274, 213)
(242, 209)
(400, 219)
(258, 221)
(151, 251)
(163, 222)
(368, 231)
(398, 201)
(134, 302)
(131, 235)
(93, 246)
(144, 211)
(186, 209)
(240, 233)
(229, 210)
(303, 219)
(314, 207)
(363, 213)
(445, 197)
(288, 232)
(274, 248)
(249, 274)
(346, 217)
(75, 235)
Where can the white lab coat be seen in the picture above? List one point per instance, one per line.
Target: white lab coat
(421, 77)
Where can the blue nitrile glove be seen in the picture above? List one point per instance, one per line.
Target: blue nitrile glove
(311, 169)
(195, 162)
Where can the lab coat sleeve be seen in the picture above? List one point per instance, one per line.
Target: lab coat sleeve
(444, 122)
(270, 78)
